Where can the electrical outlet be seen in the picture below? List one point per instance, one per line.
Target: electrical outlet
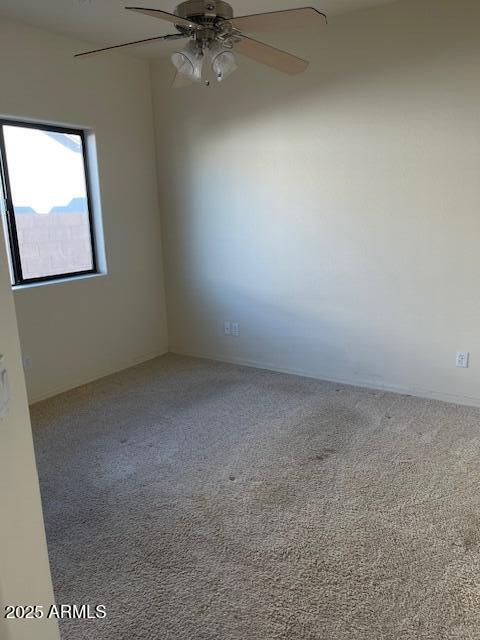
(27, 363)
(235, 329)
(227, 327)
(463, 359)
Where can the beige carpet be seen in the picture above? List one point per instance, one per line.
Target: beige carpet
(203, 501)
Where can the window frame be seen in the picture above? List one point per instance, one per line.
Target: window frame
(9, 210)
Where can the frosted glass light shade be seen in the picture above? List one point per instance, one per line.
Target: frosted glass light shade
(189, 61)
(223, 62)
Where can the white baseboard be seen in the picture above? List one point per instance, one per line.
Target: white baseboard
(79, 382)
(418, 392)
(368, 384)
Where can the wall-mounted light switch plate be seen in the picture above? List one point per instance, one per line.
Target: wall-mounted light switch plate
(235, 329)
(227, 327)
(4, 390)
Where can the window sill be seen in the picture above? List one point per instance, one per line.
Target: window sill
(47, 283)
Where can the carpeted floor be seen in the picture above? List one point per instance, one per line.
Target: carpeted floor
(204, 501)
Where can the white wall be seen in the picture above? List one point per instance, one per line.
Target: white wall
(335, 215)
(81, 330)
(24, 570)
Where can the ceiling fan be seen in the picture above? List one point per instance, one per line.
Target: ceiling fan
(214, 35)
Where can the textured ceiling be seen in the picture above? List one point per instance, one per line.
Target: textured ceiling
(105, 22)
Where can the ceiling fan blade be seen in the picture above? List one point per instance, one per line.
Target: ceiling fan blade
(272, 57)
(163, 15)
(288, 19)
(170, 36)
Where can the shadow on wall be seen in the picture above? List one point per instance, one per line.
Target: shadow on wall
(260, 118)
(340, 345)
(372, 48)
(318, 208)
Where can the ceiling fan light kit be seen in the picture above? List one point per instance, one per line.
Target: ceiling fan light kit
(215, 35)
(190, 61)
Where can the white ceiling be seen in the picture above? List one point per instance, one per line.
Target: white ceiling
(105, 22)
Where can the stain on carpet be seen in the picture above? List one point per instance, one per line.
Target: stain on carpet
(206, 501)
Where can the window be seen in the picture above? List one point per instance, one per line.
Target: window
(46, 202)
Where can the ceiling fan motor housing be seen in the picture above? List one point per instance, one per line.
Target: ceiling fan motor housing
(204, 12)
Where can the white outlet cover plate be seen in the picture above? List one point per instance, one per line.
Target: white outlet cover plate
(463, 359)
